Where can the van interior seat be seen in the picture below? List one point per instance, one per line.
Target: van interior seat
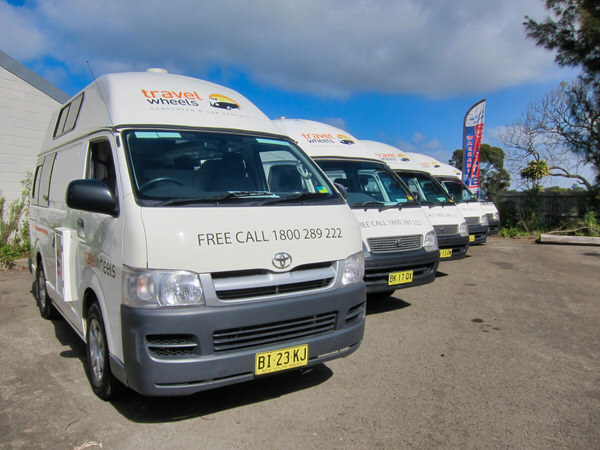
(226, 174)
(285, 178)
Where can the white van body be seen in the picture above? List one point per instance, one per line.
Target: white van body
(398, 238)
(488, 207)
(163, 235)
(449, 177)
(447, 219)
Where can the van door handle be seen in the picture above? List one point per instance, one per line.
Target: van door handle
(80, 223)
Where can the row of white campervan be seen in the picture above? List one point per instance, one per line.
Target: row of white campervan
(192, 242)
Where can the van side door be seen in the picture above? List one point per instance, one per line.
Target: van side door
(98, 238)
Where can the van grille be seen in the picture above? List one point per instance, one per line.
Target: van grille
(490, 216)
(446, 230)
(263, 284)
(235, 294)
(472, 220)
(355, 313)
(392, 244)
(171, 345)
(258, 335)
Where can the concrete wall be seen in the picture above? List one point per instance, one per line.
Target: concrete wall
(24, 116)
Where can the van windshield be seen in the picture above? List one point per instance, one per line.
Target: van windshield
(427, 188)
(458, 189)
(177, 168)
(368, 183)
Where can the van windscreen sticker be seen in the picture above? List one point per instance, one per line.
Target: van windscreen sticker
(157, 135)
(260, 236)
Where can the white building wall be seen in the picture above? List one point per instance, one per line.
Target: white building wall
(24, 117)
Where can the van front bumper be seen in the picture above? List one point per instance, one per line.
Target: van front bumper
(457, 243)
(378, 267)
(177, 351)
(479, 233)
(494, 226)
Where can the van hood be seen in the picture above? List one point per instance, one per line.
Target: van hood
(218, 239)
(443, 215)
(392, 222)
(471, 209)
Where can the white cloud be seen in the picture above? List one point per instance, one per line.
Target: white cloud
(336, 122)
(19, 37)
(327, 47)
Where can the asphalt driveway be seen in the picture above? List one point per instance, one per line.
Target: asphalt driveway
(502, 350)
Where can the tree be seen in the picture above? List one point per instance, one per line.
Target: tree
(494, 177)
(548, 132)
(574, 34)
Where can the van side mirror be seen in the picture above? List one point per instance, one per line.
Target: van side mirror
(342, 190)
(416, 196)
(92, 196)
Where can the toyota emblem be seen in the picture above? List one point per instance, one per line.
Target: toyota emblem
(282, 260)
(398, 243)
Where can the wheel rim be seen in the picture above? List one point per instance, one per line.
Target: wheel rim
(41, 288)
(96, 351)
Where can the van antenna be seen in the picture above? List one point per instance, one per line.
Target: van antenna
(100, 92)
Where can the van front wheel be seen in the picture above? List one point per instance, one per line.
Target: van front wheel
(103, 383)
(42, 298)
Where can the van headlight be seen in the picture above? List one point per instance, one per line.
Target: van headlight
(463, 229)
(484, 220)
(430, 243)
(496, 215)
(155, 288)
(354, 269)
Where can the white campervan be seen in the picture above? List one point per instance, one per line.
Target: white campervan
(488, 206)
(398, 238)
(447, 219)
(166, 233)
(471, 208)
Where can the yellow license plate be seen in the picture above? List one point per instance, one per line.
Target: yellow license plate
(471, 238)
(445, 253)
(282, 359)
(400, 277)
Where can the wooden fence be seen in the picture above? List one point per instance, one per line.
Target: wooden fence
(551, 208)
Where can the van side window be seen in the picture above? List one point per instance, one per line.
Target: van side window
(67, 118)
(101, 166)
(40, 189)
(35, 187)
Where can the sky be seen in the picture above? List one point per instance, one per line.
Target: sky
(403, 72)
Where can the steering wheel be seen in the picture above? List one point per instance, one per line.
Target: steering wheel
(159, 180)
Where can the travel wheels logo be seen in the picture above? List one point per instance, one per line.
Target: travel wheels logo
(223, 102)
(345, 139)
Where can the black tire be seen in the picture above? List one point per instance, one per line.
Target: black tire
(42, 298)
(103, 382)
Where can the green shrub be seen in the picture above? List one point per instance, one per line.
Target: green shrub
(14, 230)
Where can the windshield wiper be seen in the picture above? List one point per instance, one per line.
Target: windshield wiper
(217, 198)
(367, 205)
(380, 205)
(398, 205)
(299, 196)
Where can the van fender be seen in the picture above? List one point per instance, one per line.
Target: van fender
(36, 249)
(92, 291)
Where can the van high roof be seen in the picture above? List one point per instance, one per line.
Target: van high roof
(393, 157)
(320, 139)
(155, 98)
